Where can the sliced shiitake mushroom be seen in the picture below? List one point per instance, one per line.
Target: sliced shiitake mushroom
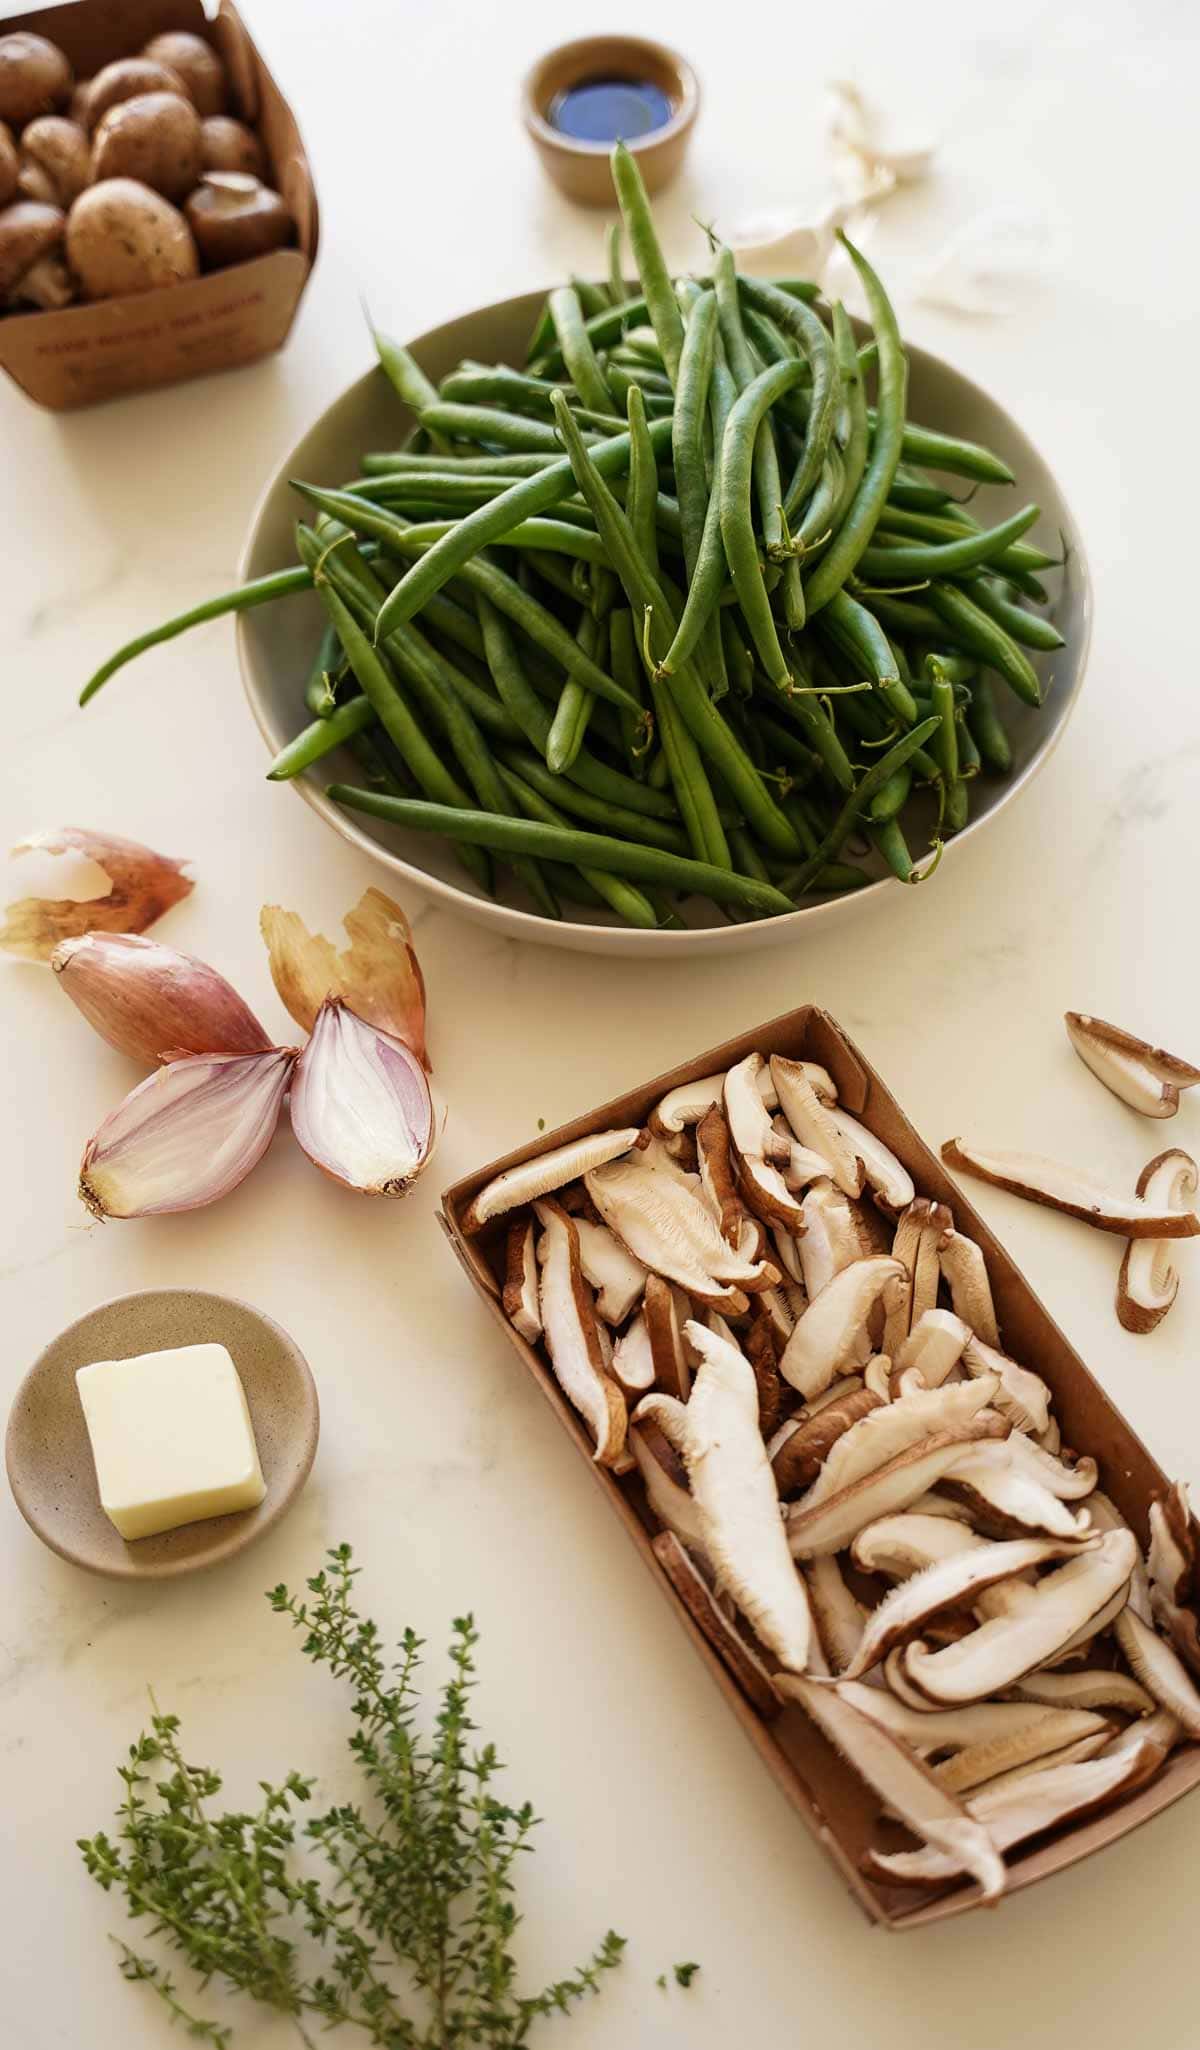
(838, 1614)
(716, 1173)
(196, 63)
(572, 1335)
(10, 165)
(664, 1477)
(898, 1546)
(673, 1233)
(965, 1272)
(1060, 1737)
(687, 1102)
(1093, 1688)
(1022, 1396)
(1006, 1499)
(952, 1583)
(921, 1231)
(154, 138)
(1065, 1188)
(1158, 1667)
(234, 217)
(814, 1126)
(665, 1338)
(520, 1297)
(829, 1336)
(831, 1524)
(697, 1596)
(804, 1444)
(550, 1171)
(1143, 1076)
(618, 1279)
(934, 1346)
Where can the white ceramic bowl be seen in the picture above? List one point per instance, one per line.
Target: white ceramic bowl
(276, 642)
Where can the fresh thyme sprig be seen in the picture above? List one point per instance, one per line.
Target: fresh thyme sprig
(406, 1933)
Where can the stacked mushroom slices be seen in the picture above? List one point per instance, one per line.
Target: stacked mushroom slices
(864, 1502)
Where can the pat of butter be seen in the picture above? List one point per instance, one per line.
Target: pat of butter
(171, 1437)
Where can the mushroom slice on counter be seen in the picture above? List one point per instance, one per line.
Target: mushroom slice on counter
(1022, 1396)
(891, 1182)
(838, 1614)
(687, 1103)
(814, 1126)
(832, 1524)
(616, 1276)
(548, 1172)
(521, 1281)
(1006, 1500)
(965, 1271)
(671, 1370)
(906, 1786)
(900, 1545)
(1093, 1688)
(716, 1174)
(1064, 1188)
(1028, 1806)
(1057, 1737)
(734, 1491)
(730, 1646)
(827, 1338)
(934, 1346)
(1143, 1076)
(1149, 1279)
(920, 1233)
(572, 1335)
(893, 1429)
(633, 1357)
(1159, 1668)
(672, 1233)
(801, 1453)
(1002, 1650)
(664, 1477)
(951, 1583)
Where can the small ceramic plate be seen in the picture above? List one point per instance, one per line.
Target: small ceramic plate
(49, 1456)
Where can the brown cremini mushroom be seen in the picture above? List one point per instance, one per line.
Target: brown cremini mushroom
(233, 218)
(128, 79)
(154, 138)
(35, 78)
(122, 237)
(197, 64)
(56, 163)
(10, 165)
(228, 145)
(32, 272)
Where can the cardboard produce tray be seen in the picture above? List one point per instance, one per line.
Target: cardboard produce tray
(837, 1808)
(218, 321)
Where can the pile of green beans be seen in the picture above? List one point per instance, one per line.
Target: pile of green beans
(684, 607)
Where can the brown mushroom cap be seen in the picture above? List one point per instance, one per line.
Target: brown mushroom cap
(56, 162)
(28, 230)
(34, 77)
(127, 79)
(228, 145)
(122, 237)
(9, 164)
(154, 138)
(233, 218)
(198, 66)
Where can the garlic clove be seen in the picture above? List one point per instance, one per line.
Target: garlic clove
(360, 1105)
(378, 975)
(79, 882)
(149, 1001)
(186, 1135)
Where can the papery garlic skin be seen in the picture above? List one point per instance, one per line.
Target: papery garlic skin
(152, 1002)
(141, 886)
(360, 1104)
(186, 1135)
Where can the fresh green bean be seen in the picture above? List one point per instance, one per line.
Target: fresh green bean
(985, 729)
(641, 503)
(687, 426)
(604, 329)
(405, 375)
(282, 583)
(739, 662)
(570, 722)
(384, 771)
(763, 454)
(394, 462)
(858, 433)
(933, 451)
(1027, 627)
(737, 529)
(617, 291)
(887, 836)
(624, 898)
(592, 297)
(857, 802)
(892, 797)
(802, 325)
(951, 526)
(627, 670)
(946, 558)
(912, 490)
(491, 424)
(496, 384)
(710, 569)
(608, 818)
(321, 738)
(524, 500)
(651, 269)
(591, 850)
(854, 534)
(320, 691)
(859, 635)
(944, 747)
(699, 715)
(577, 351)
(975, 631)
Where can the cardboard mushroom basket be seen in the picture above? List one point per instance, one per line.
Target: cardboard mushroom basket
(941, 1649)
(131, 335)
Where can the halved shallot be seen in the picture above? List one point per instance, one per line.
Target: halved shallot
(572, 1335)
(1003, 1649)
(950, 1583)
(150, 1001)
(903, 1784)
(520, 1296)
(828, 1335)
(698, 1599)
(360, 1104)
(186, 1135)
(1065, 1188)
(1149, 1279)
(734, 1491)
(1143, 1076)
(541, 1177)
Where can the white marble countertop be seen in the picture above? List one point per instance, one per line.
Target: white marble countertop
(437, 1459)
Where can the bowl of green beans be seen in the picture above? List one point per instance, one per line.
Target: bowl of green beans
(661, 615)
